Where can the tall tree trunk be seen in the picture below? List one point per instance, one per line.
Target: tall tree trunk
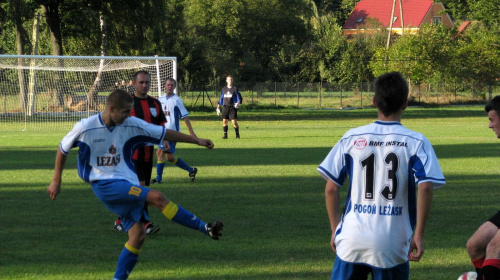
(51, 11)
(21, 44)
(93, 93)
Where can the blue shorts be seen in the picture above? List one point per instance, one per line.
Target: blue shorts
(172, 147)
(348, 270)
(123, 198)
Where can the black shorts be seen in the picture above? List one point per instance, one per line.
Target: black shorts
(143, 170)
(495, 219)
(229, 112)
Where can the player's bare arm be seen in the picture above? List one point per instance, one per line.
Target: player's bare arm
(332, 198)
(424, 203)
(175, 136)
(55, 186)
(189, 126)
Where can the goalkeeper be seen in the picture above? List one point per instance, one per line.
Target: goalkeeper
(174, 110)
(230, 100)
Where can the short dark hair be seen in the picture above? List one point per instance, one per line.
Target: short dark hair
(134, 78)
(493, 104)
(119, 98)
(171, 79)
(391, 92)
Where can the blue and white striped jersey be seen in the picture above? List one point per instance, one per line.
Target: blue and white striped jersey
(384, 162)
(106, 152)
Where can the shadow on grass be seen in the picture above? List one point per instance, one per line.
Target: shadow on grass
(25, 159)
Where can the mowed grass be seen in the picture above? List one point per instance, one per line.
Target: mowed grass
(264, 187)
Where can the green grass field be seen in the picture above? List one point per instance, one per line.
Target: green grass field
(264, 187)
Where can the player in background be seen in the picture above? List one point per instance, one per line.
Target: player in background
(106, 142)
(148, 109)
(230, 100)
(484, 245)
(383, 223)
(174, 111)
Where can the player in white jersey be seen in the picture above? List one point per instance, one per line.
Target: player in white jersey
(106, 144)
(174, 110)
(383, 223)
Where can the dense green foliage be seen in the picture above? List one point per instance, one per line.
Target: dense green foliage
(258, 40)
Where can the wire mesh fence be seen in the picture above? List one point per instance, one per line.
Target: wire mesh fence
(335, 96)
(300, 95)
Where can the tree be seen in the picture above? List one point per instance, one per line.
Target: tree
(421, 57)
(486, 11)
(236, 35)
(479, 56)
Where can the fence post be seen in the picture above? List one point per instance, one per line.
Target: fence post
(320, 91)
(298, 94)
(274, 94)
(361, 93)
(340, 95)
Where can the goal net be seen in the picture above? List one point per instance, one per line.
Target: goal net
(53, 92)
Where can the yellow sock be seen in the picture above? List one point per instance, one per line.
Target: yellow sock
(132, 249)
(170, 210)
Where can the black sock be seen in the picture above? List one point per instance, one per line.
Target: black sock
(490, 273)
(224, 128)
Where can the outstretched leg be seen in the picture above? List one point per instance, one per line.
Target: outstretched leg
(181, 216)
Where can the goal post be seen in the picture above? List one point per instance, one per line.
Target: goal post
(41, 92)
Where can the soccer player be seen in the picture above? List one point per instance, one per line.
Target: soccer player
(230, 100)
(106, 143)
(149, 109)
(174, 110)
(484, 245)
(383, 223)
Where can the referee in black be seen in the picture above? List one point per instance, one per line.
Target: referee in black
(230, 100)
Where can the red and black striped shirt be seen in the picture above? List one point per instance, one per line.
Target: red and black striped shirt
(148, 109)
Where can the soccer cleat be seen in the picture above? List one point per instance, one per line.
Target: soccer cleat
(118, 226)
(237, 136)
(156, 181)
(151, 229)
(192, 174)
(214, 230)
(224, 137)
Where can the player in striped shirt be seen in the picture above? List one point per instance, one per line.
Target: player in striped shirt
(149, 109)
(174, 111)
(383, 223)
(106, 143)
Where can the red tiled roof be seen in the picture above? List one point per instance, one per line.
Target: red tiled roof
(414, 12)
(463, 26)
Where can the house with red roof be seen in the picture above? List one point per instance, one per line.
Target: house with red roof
(413, 14)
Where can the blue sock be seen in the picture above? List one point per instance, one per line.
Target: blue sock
(159, 170)
(183, 217)
(126, 262)
(181, 164)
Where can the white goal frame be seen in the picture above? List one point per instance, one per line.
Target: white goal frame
(44, 92)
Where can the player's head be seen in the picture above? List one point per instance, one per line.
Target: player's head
(170, 85)
(119, 105)
(142, 82)
(229, 80)
(493, 110)
(391, 93)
